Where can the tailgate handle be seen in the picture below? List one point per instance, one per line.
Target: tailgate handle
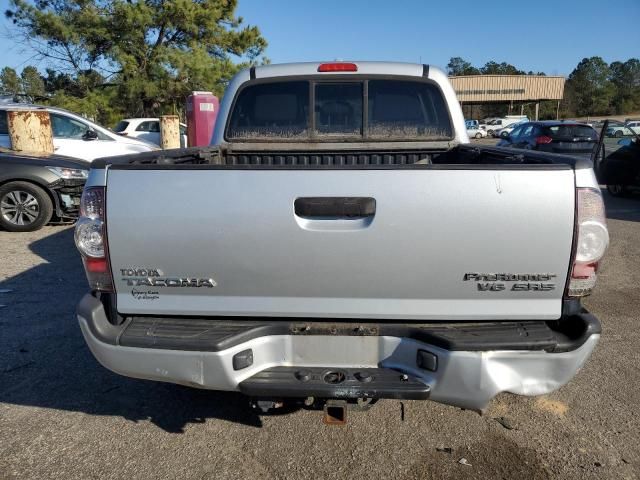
(332, 207)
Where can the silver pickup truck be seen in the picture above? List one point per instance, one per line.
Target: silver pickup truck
(341, 242)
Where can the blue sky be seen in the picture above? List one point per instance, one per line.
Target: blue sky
(540, 35)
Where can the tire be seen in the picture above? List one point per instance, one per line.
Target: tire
(24, 207)
(478, 135)
(618, 134)
(617, 190)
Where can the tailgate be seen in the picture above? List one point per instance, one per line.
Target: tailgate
(435, 243)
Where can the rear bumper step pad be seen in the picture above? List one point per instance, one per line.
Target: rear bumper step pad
(341, 383)
(212, 335)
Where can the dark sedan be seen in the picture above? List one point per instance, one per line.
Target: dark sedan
(35, 190)
(569, 138)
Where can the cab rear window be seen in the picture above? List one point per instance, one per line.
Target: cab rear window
(271, 110)
(406, 110)
(372, 109)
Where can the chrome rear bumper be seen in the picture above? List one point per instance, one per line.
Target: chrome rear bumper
(463, 378)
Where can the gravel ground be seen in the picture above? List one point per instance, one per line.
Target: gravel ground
(64, 416)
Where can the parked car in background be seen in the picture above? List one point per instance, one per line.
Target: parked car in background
(576, 139)
(620, 170)
(75, 136)
(146, 129)
(476, 132)
(34, 189)
(500, 123)
(505, 131)
(627, 129)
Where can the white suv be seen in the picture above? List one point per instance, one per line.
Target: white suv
(75, 136)
(146, 129)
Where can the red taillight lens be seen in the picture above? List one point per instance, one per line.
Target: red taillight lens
(543, 140)
(96, 265)
(338, 67)
(591, 242)
(91, 239)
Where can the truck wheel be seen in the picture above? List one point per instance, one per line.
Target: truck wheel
(24, 207)
(617, 190)
(478, 135)
(490, 132)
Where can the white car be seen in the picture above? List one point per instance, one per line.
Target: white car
(75, 136)
(497, 124)
(505, 131)
(628, 129)
(146, 129)
(476, 132)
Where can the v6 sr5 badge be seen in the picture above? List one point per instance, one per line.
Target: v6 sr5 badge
(514, 282)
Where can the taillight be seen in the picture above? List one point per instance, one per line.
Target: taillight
(338, 67)
(591, 244)
(543, 140)
(91, 239)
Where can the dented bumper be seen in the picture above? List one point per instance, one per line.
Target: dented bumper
(450, 361)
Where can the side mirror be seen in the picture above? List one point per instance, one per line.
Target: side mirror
(90, 135)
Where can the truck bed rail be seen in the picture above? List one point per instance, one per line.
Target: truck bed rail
(467, 155)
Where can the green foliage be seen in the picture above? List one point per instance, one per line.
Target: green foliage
(146, 56)
(590, 87)
(626, 79)
(32, 83)
(9, 82)
(493, 68)
(458, 66)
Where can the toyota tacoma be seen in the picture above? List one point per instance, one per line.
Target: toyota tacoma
(341, 242)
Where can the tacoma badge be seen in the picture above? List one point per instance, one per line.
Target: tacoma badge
(153, 277)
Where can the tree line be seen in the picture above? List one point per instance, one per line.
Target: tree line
(126, 58)
(119, 58)
(594, 87)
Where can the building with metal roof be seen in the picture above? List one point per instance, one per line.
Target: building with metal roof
(510, 89)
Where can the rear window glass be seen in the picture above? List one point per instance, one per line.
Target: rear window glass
(572, 131)
(407, 110)
(121, 126)
(338, 109)
(151, 126)
(395, 110)
(271, 110)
